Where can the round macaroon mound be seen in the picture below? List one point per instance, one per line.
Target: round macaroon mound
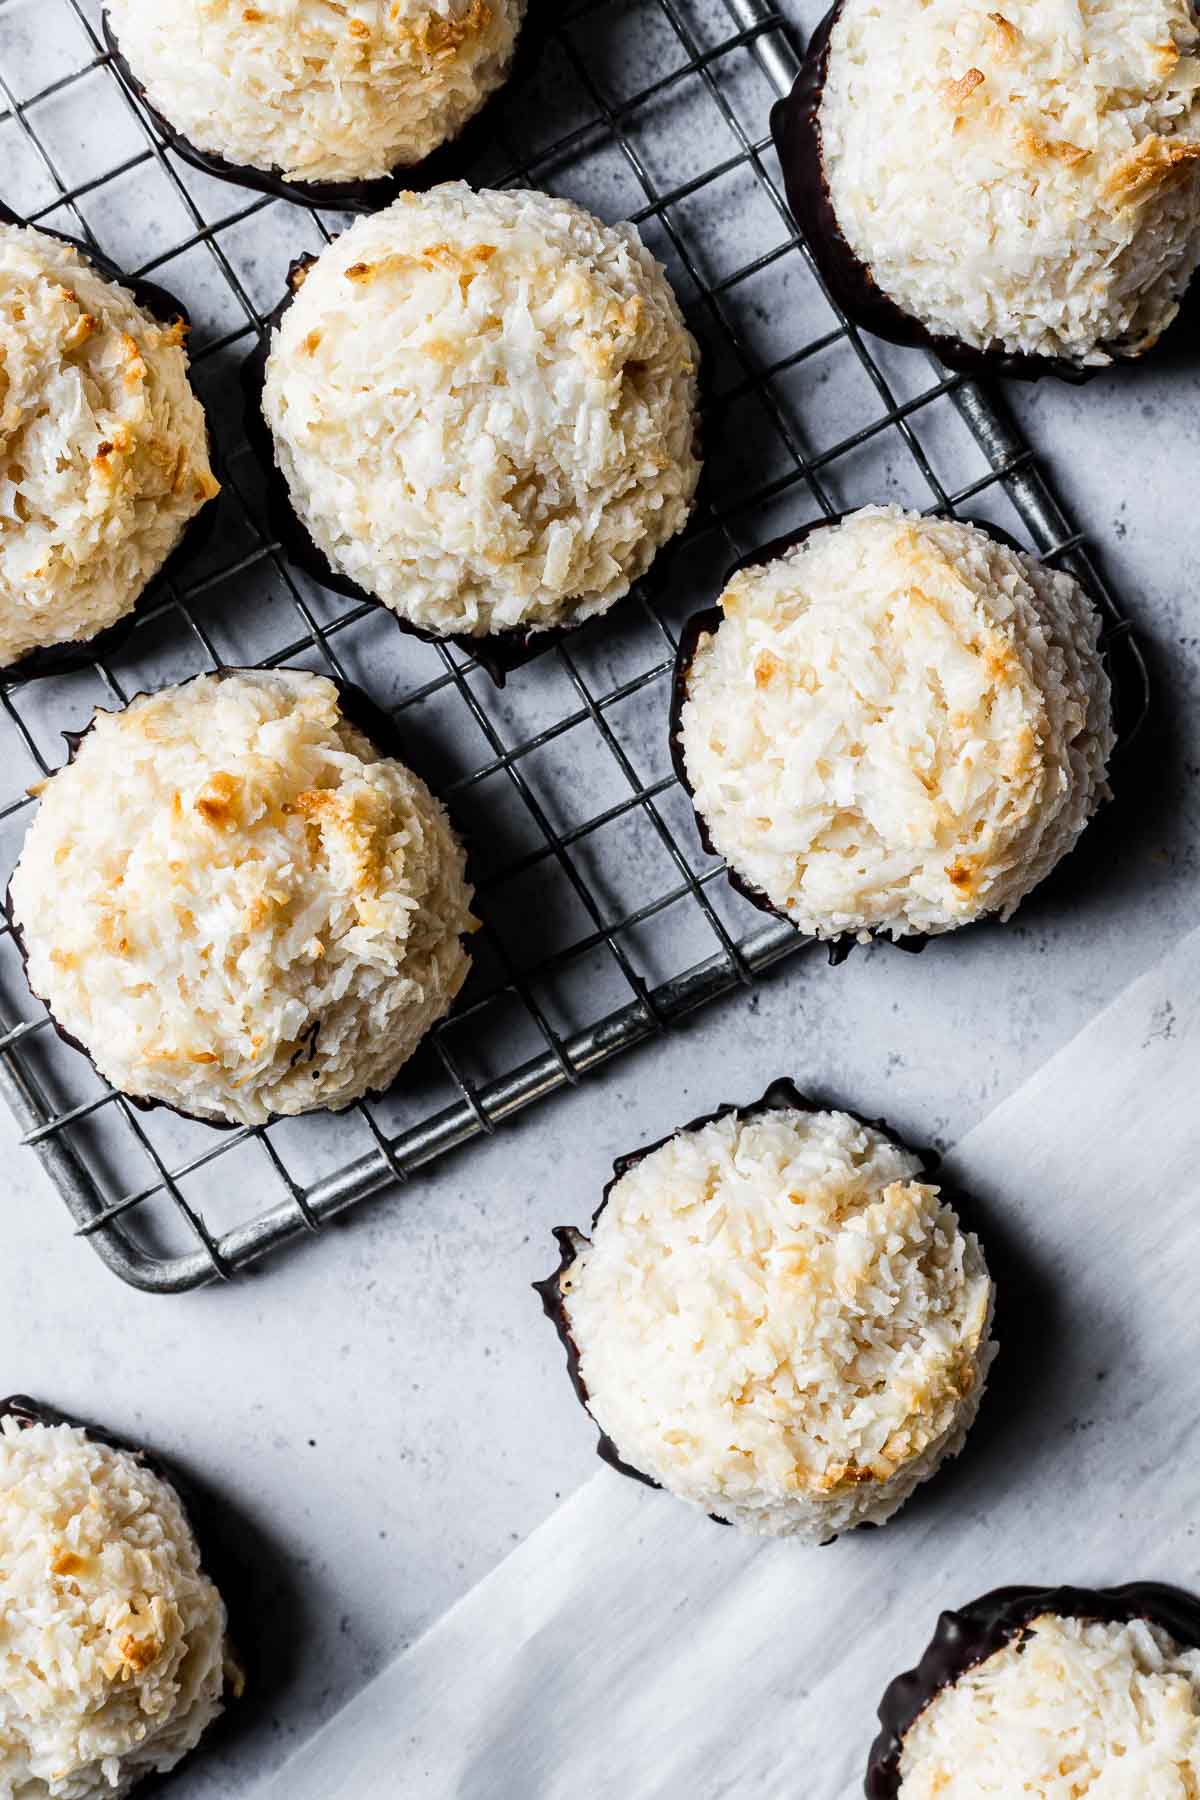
(484, 408)
(236, 905)
(113, 1655)
(898, 726)
(103, 446)
(1068, 1706)
(1023, 179)
(778, 1320)
(313, 91)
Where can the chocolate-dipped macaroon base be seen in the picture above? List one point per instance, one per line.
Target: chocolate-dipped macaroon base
(451, 161)
(796, 129)
(781, 1096)
(968, 1636)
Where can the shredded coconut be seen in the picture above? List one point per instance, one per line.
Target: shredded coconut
(484, 408)
(317, 90)
(103, 445)
(112, 1652)
(900, 726)
(1022, 173)
(779, 1322)
(1069, 1708)
(237, 905)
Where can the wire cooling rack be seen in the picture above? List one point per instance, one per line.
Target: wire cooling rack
(604, 920)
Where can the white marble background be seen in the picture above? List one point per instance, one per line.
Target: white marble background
(385, 1410)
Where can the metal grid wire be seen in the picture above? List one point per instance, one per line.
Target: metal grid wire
(604, 920)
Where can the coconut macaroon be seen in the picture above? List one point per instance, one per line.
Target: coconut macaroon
(315, 91)
(103, 445)
(778, 1320)
(1024, 179)
(1068, 1706)
(898, 726)
(239, 907)
(113, 1654)
(484, 408)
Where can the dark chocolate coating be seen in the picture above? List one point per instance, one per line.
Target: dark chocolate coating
(550, 1292)
(451, 161)
(782, 1096)
(63, 659)
(796, 128)
(1115, 648)
(381, 731)
(969, 1636)
(215, 1559)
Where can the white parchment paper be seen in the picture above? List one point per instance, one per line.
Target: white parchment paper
(631, 1648)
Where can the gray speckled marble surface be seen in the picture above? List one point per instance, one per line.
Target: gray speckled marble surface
(385, 1409)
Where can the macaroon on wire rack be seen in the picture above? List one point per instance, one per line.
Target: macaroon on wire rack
(604, 920)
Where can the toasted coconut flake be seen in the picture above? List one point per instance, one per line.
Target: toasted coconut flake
(1047, 201)
(1156, 162)
(958, 91)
